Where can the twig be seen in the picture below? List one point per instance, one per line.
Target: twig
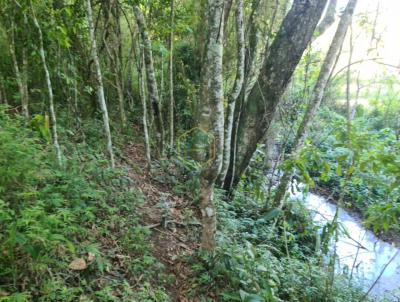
(355, 259)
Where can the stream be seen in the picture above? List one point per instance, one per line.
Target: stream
(364, 252)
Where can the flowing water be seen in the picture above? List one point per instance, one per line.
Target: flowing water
(369, 257)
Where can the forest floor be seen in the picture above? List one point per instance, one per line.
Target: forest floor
(173, 239)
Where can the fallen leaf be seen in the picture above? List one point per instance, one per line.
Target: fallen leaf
(78, 264)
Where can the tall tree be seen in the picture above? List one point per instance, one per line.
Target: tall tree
(151, 80)
(112, 43)
(236, 89)
(211, 119)
(142, 90)
(318, 93)
(3, 92)
(20, 75)
(99, 83)
(49, 88)
(171, 74)
(282, 58)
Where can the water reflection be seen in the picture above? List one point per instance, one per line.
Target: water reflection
(364, 252)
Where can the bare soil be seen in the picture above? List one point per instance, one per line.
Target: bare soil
(173, 240)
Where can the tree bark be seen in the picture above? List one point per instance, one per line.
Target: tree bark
(348, 87)
(112, 36)
(236, 89)
(144, 108)
(171, 76)
(151, 80)
(99, 84)
(3, 93)
(22, 87)
(317, 94)
(211, 119)
(284, 55)
(25, 99)
(49, 89)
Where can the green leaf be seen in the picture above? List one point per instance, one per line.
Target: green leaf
(271, 214)
(246, 297)
(338, 170)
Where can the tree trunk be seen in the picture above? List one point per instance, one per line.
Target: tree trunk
(258, 46)
(171, 76)
(254, 50)
(49, 89)
(317, 94)
(284, 54)
(236, 89)
(227, 12)
(151, 80)
(3, 93)
(211, 119)
(25, 96)
(144, 108)
(112, 44)
(99, 84)
(18, 75)
(348, 87)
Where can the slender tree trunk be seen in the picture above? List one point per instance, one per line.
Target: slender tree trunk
(348, 87)
(151, 80)
(171, 75)
(142, 89)
(25, 96)
(49, 88)
(254, 58)
(317, 95)
(112, 44)
(237, 87)
(99, 84)
(115, 67)
(121, 100)
(211, 119)
(254, 50)
(3, 93)
(18, 75)
(75, 103)
(161, 96)
(227, 12)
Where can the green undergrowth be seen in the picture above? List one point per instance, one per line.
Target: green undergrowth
(270, 257)
(262, 255)
(363, 168)
(51, 216)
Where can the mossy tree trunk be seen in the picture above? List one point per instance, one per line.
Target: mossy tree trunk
(211, 118)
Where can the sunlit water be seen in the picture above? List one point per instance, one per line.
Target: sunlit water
(363, 252)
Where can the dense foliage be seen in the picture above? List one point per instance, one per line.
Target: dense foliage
(148, 149)
(50, 217)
